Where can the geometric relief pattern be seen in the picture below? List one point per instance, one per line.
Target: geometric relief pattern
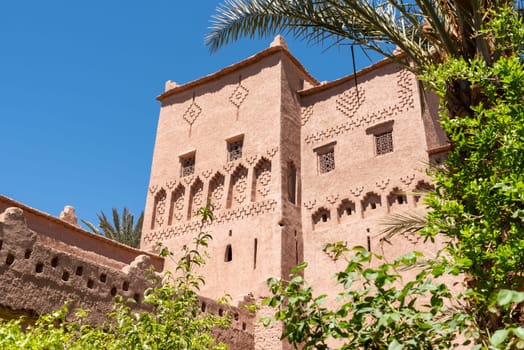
(216, 190)
(196, 195)
(262, 179)
(405, 101)
(306, 113)
(239, 95)
(238, 187)
(160, 207)
(250, 210)
(192, 113)
(177, 204)
(350, 101)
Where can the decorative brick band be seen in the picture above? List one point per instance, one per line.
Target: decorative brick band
(253, 209)
(405, 102)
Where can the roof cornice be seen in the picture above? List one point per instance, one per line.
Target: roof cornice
(239, 65)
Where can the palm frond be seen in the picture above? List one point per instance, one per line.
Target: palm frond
(122, 229)
(409, 222)
(425, 30)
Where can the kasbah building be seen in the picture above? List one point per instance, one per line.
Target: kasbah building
(287, 162)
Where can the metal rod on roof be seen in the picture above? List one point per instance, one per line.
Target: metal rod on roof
(355, 71)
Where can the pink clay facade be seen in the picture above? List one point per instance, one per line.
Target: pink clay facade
(288, 164)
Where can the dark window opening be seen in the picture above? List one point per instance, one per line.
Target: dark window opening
(203, 307)
(136, 296)
(90, 283)
(373, 205)
(39, 267)
(296, 252)
(235, 316)
(369, 244)
(54, 262)
(349, 211)
(79, 271)
(103, 277)
(188, 166)
(10, 259)
(220, 312)
(125, 286)
(255, 248)
(113, 291)
(324, 218)
(65, 276)
(229, 253)
(1, 243)
(234, 150)
(27, 254)
(244, 326)
(292, 183)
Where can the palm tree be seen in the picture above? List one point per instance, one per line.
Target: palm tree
(425, 31)
(121, 230)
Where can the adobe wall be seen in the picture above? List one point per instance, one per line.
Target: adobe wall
(348, 202)
(59, 234)
(37, 278)
(199, 120)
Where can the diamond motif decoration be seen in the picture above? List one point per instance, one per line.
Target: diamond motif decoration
(239, 95)
(192, 113)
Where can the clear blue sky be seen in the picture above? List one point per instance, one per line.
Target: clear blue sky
(78, 81)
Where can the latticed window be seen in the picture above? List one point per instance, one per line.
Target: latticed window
(384, 143)
(188, 166)
(234, 150)
(326, 161)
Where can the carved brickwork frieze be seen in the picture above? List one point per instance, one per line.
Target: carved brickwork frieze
(239, 95)
(238, 187)
(350, 101)
(192, 113)
(160, 207)
(404, 102)
(216, 191)
(177, 204)
(251, 210)
(263, 178)
(386, 193)
(306, 114)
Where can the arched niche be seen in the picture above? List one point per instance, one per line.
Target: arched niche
(196, 197)
(346, 210)
(321, 217)
(216, 190)
(261, 180)
(371, 204)
(237, 187)
(176, 205)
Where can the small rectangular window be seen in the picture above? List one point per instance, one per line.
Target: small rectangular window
(188, 165)
(326, 161)
(325, 157)
(234, 150)
(384, 143)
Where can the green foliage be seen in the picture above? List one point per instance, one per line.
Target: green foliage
(377, 309)
(122, 229)
(479, 198)
(478, 204)
(173, 318)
